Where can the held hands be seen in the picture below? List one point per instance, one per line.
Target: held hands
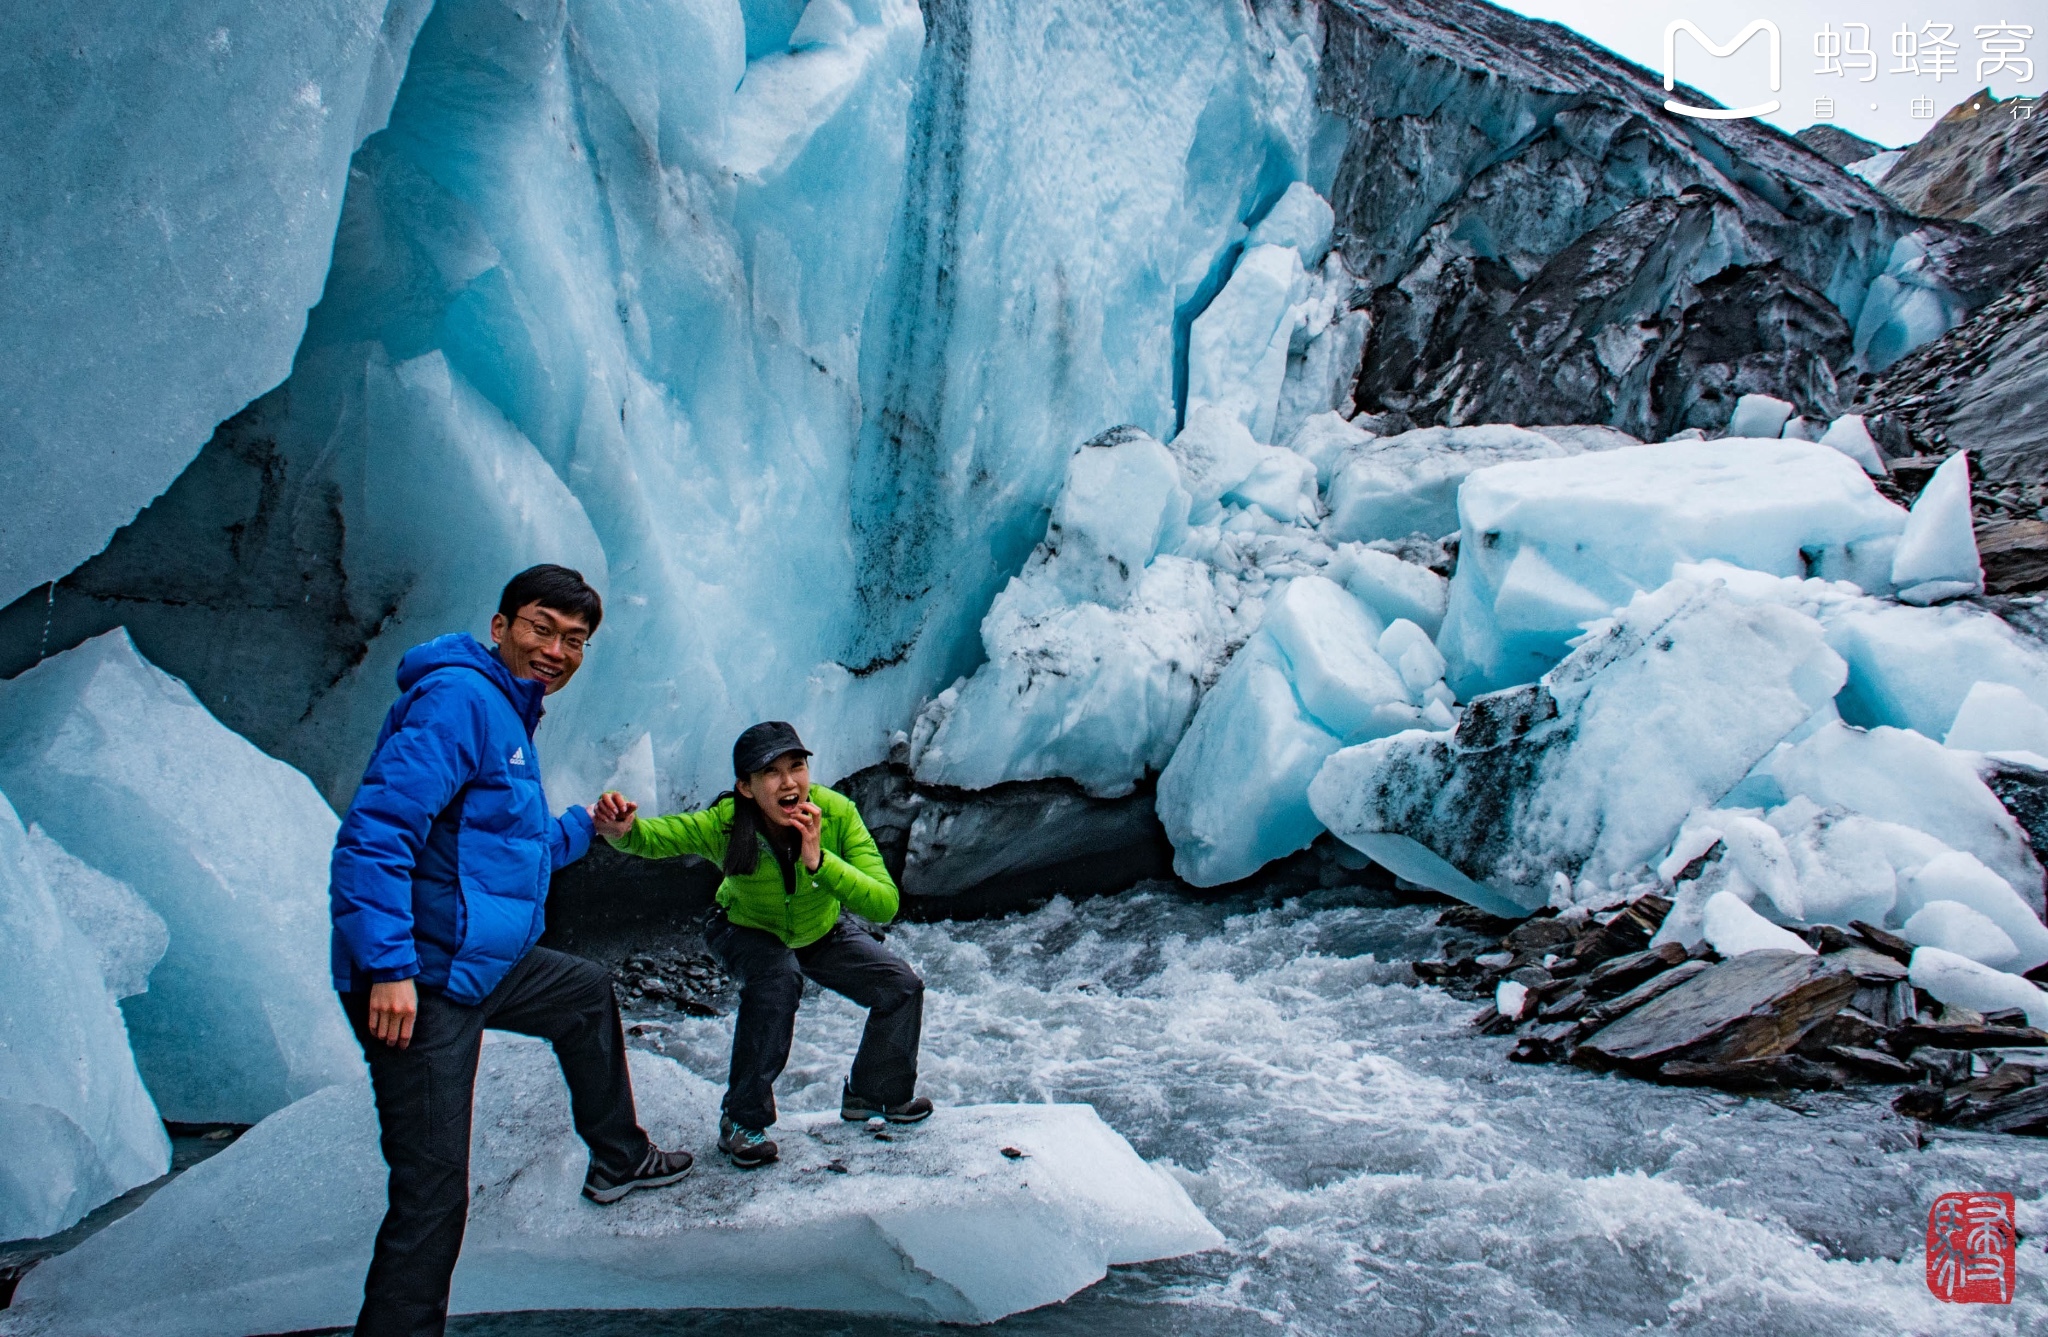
(613, 814)
(393, 1007)
(809, 819)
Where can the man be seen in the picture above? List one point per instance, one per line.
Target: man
(439, 877)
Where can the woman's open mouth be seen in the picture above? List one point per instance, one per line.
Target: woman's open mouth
(788, 803)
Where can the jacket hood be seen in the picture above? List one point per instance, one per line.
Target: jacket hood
(462, 650)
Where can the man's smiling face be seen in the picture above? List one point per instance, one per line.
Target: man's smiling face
(544, 644)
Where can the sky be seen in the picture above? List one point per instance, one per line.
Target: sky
(1881, 108)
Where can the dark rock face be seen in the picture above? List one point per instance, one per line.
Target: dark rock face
(1538, 231)
(1837, 145)
(956, 851)
(1979, 163)
(232, 580)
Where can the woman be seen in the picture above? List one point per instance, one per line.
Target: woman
(796, 858)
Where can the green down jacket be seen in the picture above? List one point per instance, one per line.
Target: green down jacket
(849, 874)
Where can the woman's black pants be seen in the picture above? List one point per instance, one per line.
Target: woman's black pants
(848, 960)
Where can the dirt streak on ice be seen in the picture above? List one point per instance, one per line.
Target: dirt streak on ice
(1378, 1168)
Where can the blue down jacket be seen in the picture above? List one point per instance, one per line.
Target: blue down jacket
(441, 866)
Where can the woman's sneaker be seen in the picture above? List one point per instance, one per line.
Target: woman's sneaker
(747, 1148)
(859, 1109)
(657, 1168)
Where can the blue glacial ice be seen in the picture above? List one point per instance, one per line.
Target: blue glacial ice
(117, 762)
(740, 312)
(169, 190)
(78, 1125)
(1565, 792)
(128, 936)
(1547, 545)
(939, 1224)
(1937, 555)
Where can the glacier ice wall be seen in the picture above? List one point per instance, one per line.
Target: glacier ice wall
(787, 348)
(169, 184)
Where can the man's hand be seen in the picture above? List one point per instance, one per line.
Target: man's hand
(809, 820)
(393, 1007)
(613, 813)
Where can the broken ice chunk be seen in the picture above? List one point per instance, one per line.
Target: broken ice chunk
(1849, 435)
(1120, 504)
(1408, 484)
(1937, 555)
(1955, 927)
(1408, 648)
(1235, 795)
(1282, 484)
(1732, 928)
(129, 937)
(1962, 879)
(1237, 348)
(1326, 441)
(1563, 775)
(1390, 587)
(1543, 541)
(1758, 416)
(937, 1225)
(1997, 718)
(1299, 218)
(122, 765)
(76, 1123)
(1958, 981)
(1897, 775)
(1215, 453)
(1326, 641)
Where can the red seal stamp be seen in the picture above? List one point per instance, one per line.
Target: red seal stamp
(1971, 1242)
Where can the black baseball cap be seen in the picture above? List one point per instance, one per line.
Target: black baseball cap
(762, 744)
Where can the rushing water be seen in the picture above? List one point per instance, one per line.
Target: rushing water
(1376, 1166)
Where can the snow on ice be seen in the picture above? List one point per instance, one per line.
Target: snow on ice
(117, 762)
(936, 1225)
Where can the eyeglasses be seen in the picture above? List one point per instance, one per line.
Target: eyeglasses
(572, 641)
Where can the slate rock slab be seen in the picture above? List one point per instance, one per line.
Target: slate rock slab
(1755, 1005)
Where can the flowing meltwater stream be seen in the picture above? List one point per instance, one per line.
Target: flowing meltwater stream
(1376, 1166)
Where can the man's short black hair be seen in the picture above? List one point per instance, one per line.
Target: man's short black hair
(555, 587)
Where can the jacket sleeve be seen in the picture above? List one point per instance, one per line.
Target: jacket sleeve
(855, 874)
(570, 838)
(416, 772)
(700, 833)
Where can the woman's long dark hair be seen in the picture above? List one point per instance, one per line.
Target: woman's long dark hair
(743, 841)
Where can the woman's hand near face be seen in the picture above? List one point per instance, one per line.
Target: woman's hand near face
(613, 814)
(809, 821)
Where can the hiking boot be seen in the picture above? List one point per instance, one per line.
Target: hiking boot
(747, 1148)
(657, 1168)
(859, 1109)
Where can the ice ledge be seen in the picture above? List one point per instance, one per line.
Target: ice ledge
(273, 1234)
